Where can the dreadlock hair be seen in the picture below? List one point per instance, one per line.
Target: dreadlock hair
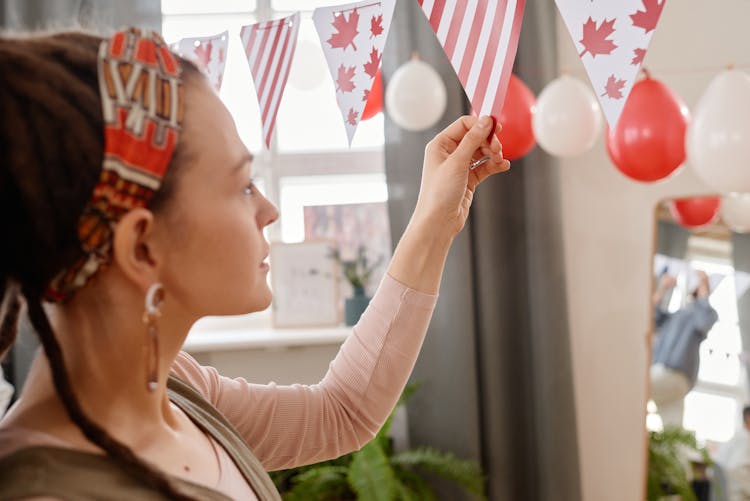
(51, 152)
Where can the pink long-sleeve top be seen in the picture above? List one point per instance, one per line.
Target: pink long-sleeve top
(287, 426)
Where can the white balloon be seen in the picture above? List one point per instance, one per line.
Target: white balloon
(735, 212)
(567, 119)
(415, 97)
(309, 68)
(718, 138)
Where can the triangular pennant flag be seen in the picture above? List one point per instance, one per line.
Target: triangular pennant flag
(612, 39)
(269, 47)
(353, 37)
(480, 38)
(209, 53)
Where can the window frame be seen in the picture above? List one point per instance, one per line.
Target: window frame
(270, 167)
(717, 254)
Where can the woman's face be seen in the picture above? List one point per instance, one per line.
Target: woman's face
(215, 258)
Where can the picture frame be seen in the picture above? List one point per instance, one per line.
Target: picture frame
(305, 284)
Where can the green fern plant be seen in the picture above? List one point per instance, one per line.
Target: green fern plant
(666, 472)
(378, 473)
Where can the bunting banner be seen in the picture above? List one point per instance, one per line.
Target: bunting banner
(209, 53)
(353, 37)
(480, 38)
(269, 47)
(611, 39)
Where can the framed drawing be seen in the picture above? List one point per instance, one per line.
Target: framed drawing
(305, 284)
(352, 226)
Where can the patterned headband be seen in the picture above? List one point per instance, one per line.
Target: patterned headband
(142, 104)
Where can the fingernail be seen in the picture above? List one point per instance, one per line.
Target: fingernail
(485, 121)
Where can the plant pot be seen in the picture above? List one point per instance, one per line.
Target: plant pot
(355, 306)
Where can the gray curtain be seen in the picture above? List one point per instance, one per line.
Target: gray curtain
(671, 240)
(496, 365)
(741, 258)
(100, 16)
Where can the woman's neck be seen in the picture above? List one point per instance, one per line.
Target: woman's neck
(105, 352)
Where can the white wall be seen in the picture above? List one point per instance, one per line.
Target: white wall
(608, 224)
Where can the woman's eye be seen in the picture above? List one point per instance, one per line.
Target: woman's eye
(249, 189)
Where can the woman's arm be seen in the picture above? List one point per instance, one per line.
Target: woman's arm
(289, 426)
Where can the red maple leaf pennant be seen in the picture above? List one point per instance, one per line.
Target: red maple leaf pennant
(614, 86)
(346, 31)
(638, 58)
(376, 26)
(366, 95)
(344, 81)
(371, 66)
(203, 53)
(595, 39)
(648, 18)
(352, 117)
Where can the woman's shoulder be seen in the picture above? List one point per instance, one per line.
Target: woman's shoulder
(45, 472)
(204, 380)
(14, 438)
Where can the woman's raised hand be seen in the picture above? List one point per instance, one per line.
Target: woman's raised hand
(448, 182)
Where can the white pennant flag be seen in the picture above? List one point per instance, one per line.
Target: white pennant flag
(480, 39)
(611, 38)
(269, 47)
(209, 53)
(353, 37)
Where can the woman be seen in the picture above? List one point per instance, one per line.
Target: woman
(129, 212)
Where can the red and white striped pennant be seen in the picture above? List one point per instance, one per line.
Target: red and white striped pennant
(269, 47)
(480, 38)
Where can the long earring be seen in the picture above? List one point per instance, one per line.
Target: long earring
(152, 313)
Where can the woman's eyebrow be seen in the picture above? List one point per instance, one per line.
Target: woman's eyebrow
(246, 159)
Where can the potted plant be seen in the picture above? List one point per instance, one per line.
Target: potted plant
(379, 473)
(667, 470)
(357, 272)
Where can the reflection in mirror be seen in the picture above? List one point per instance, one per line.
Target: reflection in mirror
(701, 311)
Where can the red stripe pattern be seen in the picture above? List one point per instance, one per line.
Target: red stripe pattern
(480, 38)
(269, 47)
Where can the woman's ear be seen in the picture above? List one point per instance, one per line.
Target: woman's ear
(135, 249)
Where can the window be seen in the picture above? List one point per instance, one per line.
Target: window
(309, 162)
(712, 408)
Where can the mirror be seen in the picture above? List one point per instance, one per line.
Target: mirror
(698, 375)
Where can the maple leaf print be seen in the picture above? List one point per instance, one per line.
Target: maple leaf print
(203, 53)
(366, 95)
(221, 56)
(595, 39)
(376, 26)
(346, 31)
(371, 66)
(352, 117)
(344, 81)
(638, 58)
(613, 89)
(648, 18)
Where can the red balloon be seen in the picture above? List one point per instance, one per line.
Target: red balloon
(517, 136)
(374, 103)
(695, 212)
(648, 143)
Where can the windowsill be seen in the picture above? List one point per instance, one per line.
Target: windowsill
(255, 332)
